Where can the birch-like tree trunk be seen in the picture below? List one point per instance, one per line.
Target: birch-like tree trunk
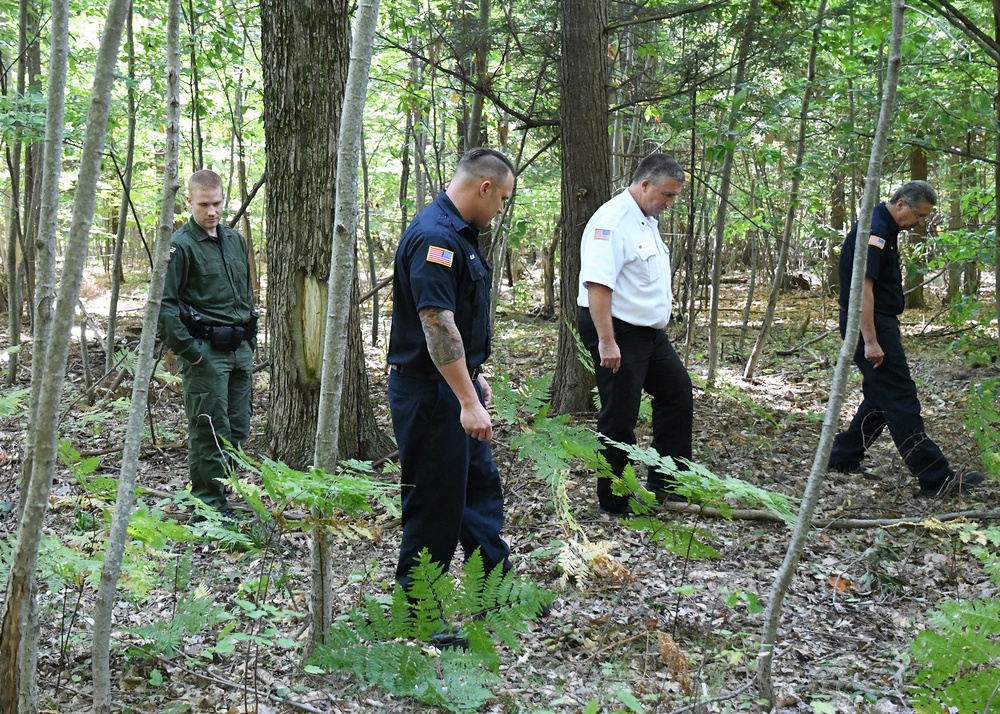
(342, 266)
(793, 553)
(45, 281)
(116, 263)
(739, 96)
(106, 592)
(793, 206)
(14, 630)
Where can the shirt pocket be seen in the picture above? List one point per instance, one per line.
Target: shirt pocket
(208, 279)
(648, 262)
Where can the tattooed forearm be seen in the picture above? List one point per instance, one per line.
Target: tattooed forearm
(444, 342)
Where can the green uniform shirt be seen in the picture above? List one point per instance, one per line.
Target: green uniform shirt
(210, 275)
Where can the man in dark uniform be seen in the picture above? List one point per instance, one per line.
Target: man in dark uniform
(890, 396)
(440, 337)
(208, 319)
(625, 299)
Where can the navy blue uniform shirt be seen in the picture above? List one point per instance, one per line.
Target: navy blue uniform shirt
(882, 267)
(438, 264)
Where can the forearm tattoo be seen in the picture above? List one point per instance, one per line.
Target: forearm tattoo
(444, 342)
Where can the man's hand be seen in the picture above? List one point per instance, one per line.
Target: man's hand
(874, 353)
(611, 356)
(476, 421)
(487, 390)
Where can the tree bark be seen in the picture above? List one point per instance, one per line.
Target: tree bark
(104, 606)
(116, 263)
(301, 119)
(586, 179)
(783, 578)
(14, 633)
(342, 279)
(913, 282)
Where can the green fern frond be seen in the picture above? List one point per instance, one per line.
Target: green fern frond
(701, 485)
(676, 537)
(958, 656)
(982, 418)
(384, 646)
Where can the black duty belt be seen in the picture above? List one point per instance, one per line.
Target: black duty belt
(420, 374)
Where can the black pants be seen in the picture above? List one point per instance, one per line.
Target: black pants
(649, 362)
(890, 399)
(451, 491)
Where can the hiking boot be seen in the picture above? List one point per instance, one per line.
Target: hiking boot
(449, 638)
(955, 485)
(854, 470)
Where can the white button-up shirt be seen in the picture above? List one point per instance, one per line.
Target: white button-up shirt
(621, 249)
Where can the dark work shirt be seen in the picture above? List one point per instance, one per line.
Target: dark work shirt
(438, 264)
(883, 263)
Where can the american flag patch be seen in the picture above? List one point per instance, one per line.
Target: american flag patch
(602, 234)
(440, 256)
(877, 242)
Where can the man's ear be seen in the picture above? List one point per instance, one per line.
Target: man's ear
(484, 187)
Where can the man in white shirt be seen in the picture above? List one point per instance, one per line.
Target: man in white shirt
(624, 300)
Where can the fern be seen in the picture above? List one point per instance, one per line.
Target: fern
(13, 401)
(958, 656)
(385, 647)
(983, 420)
(194, 614)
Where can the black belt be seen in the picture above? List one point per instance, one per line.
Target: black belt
(420, 374)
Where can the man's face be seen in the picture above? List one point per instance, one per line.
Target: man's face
(908, 216)
(492, 200)
(206, 207)
(654, 198)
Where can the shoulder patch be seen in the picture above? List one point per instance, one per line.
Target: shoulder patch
(173, 249)
(602, 234)
(877, 242)
(440, 256)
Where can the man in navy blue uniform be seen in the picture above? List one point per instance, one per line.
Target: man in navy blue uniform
(890, 396)
(440, 338)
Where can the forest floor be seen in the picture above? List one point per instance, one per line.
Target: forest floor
(857, 601)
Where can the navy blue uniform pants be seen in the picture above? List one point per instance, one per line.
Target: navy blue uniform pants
(451, 490)
(649, 362)
(890, 399)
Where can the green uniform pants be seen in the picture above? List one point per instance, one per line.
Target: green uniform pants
(217, 404)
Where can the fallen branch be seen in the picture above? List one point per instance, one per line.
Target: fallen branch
(827, 523)
(239, 687)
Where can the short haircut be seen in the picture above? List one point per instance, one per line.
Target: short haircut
(484, 163)
(205, 179)
(915, 193)
(656, 168)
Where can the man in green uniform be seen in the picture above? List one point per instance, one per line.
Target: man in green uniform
(208, 319)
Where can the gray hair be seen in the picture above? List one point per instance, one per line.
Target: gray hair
(915, 193)
(656, 168)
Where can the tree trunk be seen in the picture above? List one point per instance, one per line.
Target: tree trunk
(739, 95)
(793, 206)
(996, 172)
(793, 553)
(301, 119)
(342, 280)
(916, 265)
(197, 143)
(482, 51)
(586, 178)
(14, 631)
(104, 606)
(116, 264)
